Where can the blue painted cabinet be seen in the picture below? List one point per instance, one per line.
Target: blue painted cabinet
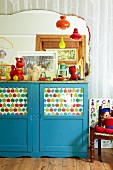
(43, 119)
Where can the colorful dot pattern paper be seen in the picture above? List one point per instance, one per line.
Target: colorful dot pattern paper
(13, 101)
(63, 101)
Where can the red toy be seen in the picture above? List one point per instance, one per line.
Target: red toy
(42, 77)
(107, 122)
(17, 72)
(72, 71)
(58, 79)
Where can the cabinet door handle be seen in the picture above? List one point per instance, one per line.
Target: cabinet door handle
(34, 116)
(30, 117)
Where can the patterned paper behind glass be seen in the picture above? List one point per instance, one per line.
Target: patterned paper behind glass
(13, 101)
(63, 101)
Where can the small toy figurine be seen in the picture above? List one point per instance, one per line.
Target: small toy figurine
(63, 72)
(16, 73)
(42, 76)
(107, 122)
(72, 71)
(58, 79)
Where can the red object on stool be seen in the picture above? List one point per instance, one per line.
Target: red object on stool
(98, 131)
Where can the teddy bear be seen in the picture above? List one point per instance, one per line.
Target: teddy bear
(74, 75)
(33, 75)
(107, 123)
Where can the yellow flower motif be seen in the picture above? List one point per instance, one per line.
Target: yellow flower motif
(16, 90)
(4, 105)
(10, 95)
(10, 109)
(19, 109)
(81, 90)
(18, 95)
(52, 100)
(61, 105)
(73, 90)
(76, 109)
(61, 100)
(12, 105)
(75, 95)
(4, 100)
(47, 110)
(67, 109)
(25, 90)
(52, 113)
(58, 94)
(2, 95)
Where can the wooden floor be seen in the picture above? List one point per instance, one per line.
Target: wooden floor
(59, 163)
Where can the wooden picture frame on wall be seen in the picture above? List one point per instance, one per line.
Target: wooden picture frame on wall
(46, 41)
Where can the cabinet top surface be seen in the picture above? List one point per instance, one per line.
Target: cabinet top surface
(45, 82)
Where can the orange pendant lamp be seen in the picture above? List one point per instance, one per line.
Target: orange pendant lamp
(75, 35)
(63, 23)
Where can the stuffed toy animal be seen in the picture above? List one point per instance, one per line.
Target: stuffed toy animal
(74, 75)
(16, 72)
(107, 122)
(33, 75)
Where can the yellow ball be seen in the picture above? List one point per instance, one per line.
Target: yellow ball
(8, 77)
(15, 78)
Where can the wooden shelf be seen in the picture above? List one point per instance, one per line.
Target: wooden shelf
(46, 41)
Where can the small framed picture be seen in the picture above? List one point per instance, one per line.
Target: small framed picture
(4, 71)
(67, 56)
(47, 61)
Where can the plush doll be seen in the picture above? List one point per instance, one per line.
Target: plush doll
(107, 122)
(74, 75)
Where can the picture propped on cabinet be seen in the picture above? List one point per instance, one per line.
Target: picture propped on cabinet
(47, 61)
(67, 56)
(4, 71)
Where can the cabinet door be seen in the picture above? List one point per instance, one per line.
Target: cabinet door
(15, 117)
(64, 118)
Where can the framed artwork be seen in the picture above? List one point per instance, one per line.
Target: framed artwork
(4, 71)
(47, 61)
(67, 56)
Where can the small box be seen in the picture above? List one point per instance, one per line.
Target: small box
(4, 71)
